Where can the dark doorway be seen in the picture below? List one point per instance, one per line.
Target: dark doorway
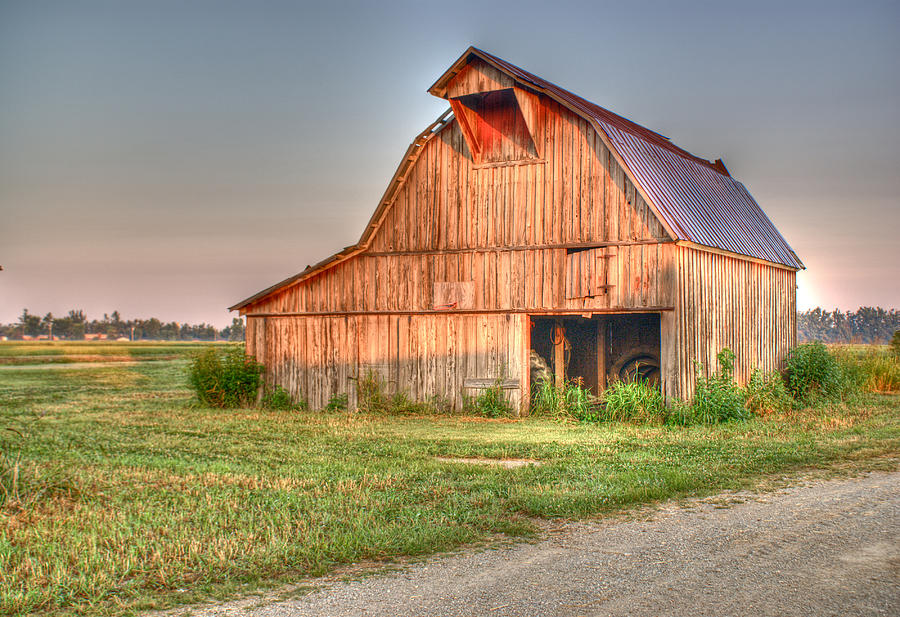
(632, 350)
(596, 350)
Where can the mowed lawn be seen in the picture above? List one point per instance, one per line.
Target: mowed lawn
(152, 501)
(39, 352)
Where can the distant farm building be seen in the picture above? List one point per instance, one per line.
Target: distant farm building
(528, 227)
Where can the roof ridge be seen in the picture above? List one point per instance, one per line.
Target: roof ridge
(620, 122)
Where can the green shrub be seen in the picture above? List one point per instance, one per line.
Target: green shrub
(813, 373)
(636, 401)
(717, 398)
(766, 393)
(895, 344)
(225, 376)
(277, 398)
(490, 403)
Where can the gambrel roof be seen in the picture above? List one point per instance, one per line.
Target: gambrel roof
(696, 200)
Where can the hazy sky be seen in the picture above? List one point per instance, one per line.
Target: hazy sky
(171, 158)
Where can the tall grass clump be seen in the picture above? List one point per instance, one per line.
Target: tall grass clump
(580, 403)
(490, 403)
(569, 401)
(895, 344)
(875, 370)
(766, 393)
(373, 397)
(225, 377)
(881, 372)
(548, 400)
(717, 398)
(371, 394)
(635, 401)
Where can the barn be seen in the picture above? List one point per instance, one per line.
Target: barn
(528, 227)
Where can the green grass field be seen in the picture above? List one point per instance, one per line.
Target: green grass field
(151, 501)
(43, 352)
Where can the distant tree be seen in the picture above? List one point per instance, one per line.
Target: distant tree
(62, 327)
(151, 328)
(77, 331)
(234, 332)
(31, 324)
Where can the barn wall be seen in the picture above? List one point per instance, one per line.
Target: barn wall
(640, 275)
(576, 193)
(315, 357)
(452, 218)
(729, 302)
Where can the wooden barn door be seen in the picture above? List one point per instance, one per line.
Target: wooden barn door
(587, 272)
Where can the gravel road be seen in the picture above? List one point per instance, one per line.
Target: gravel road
(827, 548)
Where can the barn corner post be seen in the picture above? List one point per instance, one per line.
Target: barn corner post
(531, 226)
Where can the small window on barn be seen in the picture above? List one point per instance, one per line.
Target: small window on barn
(587, 272)
(494, 126)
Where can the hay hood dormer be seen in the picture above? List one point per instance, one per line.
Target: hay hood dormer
(501, 119)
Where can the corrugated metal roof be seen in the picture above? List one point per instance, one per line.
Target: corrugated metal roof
(696, 198)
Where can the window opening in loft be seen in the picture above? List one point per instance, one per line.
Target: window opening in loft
(494, 126)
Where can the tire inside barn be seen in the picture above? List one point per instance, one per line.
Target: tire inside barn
(633, 348)
(638, 364)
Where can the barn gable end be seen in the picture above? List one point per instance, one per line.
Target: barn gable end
(451, 209)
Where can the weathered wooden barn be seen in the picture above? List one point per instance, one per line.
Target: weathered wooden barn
(528, 224)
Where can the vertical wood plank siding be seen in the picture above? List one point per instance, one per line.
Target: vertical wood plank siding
(580, 195)
(639, 275)
(422, 355)
(503, 229)
(724, 301)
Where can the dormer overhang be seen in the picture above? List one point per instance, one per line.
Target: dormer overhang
(501, 119)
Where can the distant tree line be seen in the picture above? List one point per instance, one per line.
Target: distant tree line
(75, 326)
(866, 325)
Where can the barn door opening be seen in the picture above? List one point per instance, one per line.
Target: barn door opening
(596, 350)
(565, 349)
